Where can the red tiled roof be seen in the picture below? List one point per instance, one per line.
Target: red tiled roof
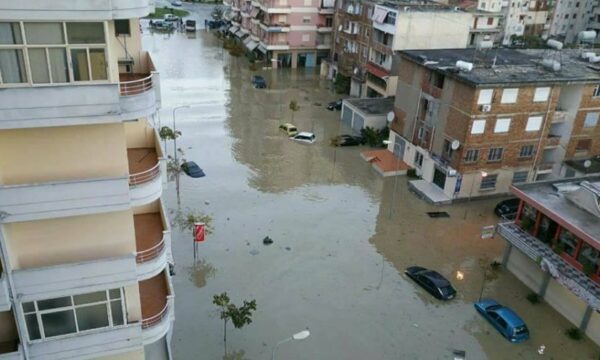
(377, 70)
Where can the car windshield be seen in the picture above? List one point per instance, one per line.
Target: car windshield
(520, 330)
(448, 290)
(291, 128)
(493, 307)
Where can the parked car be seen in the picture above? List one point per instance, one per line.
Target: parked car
(176, 3)
(170, 18)
(306, 137)
(507, 208)
(161, 24)
(432, 281)
(506, 321)
(192, 169)
(290, 129)
(190, 25)
(348, 140)
(259, 82)
(335, 105)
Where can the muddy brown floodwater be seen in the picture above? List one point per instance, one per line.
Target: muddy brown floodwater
(336, 264)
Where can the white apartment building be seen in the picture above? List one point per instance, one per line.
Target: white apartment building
(571, 17)
(84, 238)
(525, 17)
(487, 22)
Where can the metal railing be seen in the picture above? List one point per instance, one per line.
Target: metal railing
(153, 320)
(150, 254)
(145, 176)
(135, 87)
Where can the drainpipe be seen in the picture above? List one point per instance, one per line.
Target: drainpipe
(17, 310)
(544, 122)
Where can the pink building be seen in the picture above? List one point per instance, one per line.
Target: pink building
(286, 33)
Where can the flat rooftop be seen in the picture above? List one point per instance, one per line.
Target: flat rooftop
(548, 195)
(580, 165)
(373, 106)
(501, 66)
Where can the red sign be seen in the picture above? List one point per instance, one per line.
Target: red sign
(199, 232)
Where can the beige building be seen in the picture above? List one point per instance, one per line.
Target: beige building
(84, 238)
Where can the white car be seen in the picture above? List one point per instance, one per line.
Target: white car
(176, 3)
(306, 137)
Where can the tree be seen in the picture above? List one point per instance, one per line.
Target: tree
(294, 107)
(166, 133)
(174, 170)
(239, 316)
(217, 12)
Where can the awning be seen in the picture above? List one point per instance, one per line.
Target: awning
(377, 71)
(379, 15)
(262, 49)
(254, 12)
(251, 45)
(328, 3)
(247, 40)
(233, 29)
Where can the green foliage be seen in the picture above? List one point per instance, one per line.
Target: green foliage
(166, 133)
(185, 220)
(375, 137)
(533, 298)
(342, 84)
(588, 268)
(574, 333)
(239, 316)
(217, 12)
(159, 13)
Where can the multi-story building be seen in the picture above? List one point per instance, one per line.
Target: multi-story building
(472, 123)
(352, 33)
(287, 33)
(410, 25)
(487, 21)
(569, 18)
(553, 247)
(523, 17)
(84, 238)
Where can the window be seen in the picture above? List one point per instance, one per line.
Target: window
(74, 314)
(541, 94)
(520, 177)
(502, 125)
(584, 145)
(509, 96)
(534, 123)
(85, 33)
(485, 96)
(305, 37)
(10, 33)
(44, 33)
(390, 18)
(588, 257)
(12, 66)
(591, 120)
(447, 150)
(488, 182)
(478, 127)
(437, 79)
(472, 155)
(568, 241)
(526, 151)
(490, 21)
(329, 22)
(495, 154)
(418, 159)
(596, 92)
(306, 20)
(122, 27)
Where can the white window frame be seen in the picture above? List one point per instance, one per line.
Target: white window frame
(478, 127)
(496, 150)
(509, 96)
(502, 125)
(491, 179)
(74, 308)
(541, 94)
(534, 123)
(596, 92)
(485, 96)
(306, 20)
(591, 120)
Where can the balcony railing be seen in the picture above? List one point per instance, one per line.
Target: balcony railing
(135, 87)
(150, 254)
(153, 320)
(571, 278)
(559, 116)
(145, 176)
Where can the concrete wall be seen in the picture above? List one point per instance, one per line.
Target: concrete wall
(138, 134)
(525, 269)
(62, 153)
(432, 30)
(133, 355)
(68, 240)
(134, 304)
(68, 10)
(125, 46)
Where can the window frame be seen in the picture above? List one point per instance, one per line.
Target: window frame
(537, 98)
(494, 151)
(586, 124)
(504, 124)
(481, 122)
(528, 154)
(489, 182)
(484, 95)
(596, 92)
(471, 159)
(525, 172)
(530, 119)
(509, 95)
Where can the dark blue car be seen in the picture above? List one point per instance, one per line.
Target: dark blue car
(432, 281)
(506, 321)
(192, 169)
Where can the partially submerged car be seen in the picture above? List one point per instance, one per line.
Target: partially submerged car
(335, 105)
(508, 208)
(347, 140)
(306, 137)
(290, 129)
(506, 321)
(259, 82)
(432, 281)
(192, 169)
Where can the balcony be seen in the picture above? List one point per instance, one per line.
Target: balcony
(153, 242)
(383, 47)
(11, 351)
(323, 44)
(544, 168)
(324, 28)
(275, 45)
(559, 116)
(156, 295)
(431, 89)
(275, 28)
(552, 141)
(139, 94)
(28, 202)
(326, 10)
(148, 171)
(567, 275)
(275, 7)
(98, 10)
(10, 348)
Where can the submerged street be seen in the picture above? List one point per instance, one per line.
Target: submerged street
(341, 244)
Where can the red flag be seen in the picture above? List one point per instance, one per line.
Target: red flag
(199, 232)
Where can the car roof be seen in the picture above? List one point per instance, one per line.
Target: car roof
(510, 316)
(436, 278)
(191, 163)
(304, 133)
(289, 125)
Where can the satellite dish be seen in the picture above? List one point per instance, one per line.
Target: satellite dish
(340, 28)
(587, 164)
(455, 145)
(390, 116)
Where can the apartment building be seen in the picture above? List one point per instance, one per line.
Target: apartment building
(523, 17)
(285, 33)
(553, 247)
(84, 237)
(472, 123)
(352, 33)
(410, 25)
(569, 18)
(487, 21)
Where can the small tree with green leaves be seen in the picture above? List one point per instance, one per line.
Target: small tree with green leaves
(166, 133)
(294, 107)
(217, 12)
(239, 316)
(174, 170)
(185, 220)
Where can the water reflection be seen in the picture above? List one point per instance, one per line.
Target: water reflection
(200, 272)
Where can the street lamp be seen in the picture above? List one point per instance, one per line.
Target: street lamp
(483, 176)
(298, 336)
(387, 142)
(175, 129)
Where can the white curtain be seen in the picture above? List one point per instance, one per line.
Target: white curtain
(379, 15)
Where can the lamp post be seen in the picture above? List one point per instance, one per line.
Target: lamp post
(298, 336)
(483, 176)
(175, 129)
(387, 142)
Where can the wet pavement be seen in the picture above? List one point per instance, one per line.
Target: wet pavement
(340, 248)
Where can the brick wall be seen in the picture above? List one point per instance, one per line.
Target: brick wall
(588, 104)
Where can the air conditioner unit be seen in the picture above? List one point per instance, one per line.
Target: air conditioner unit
(485, 108)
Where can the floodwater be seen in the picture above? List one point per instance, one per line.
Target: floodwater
(340, 244)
